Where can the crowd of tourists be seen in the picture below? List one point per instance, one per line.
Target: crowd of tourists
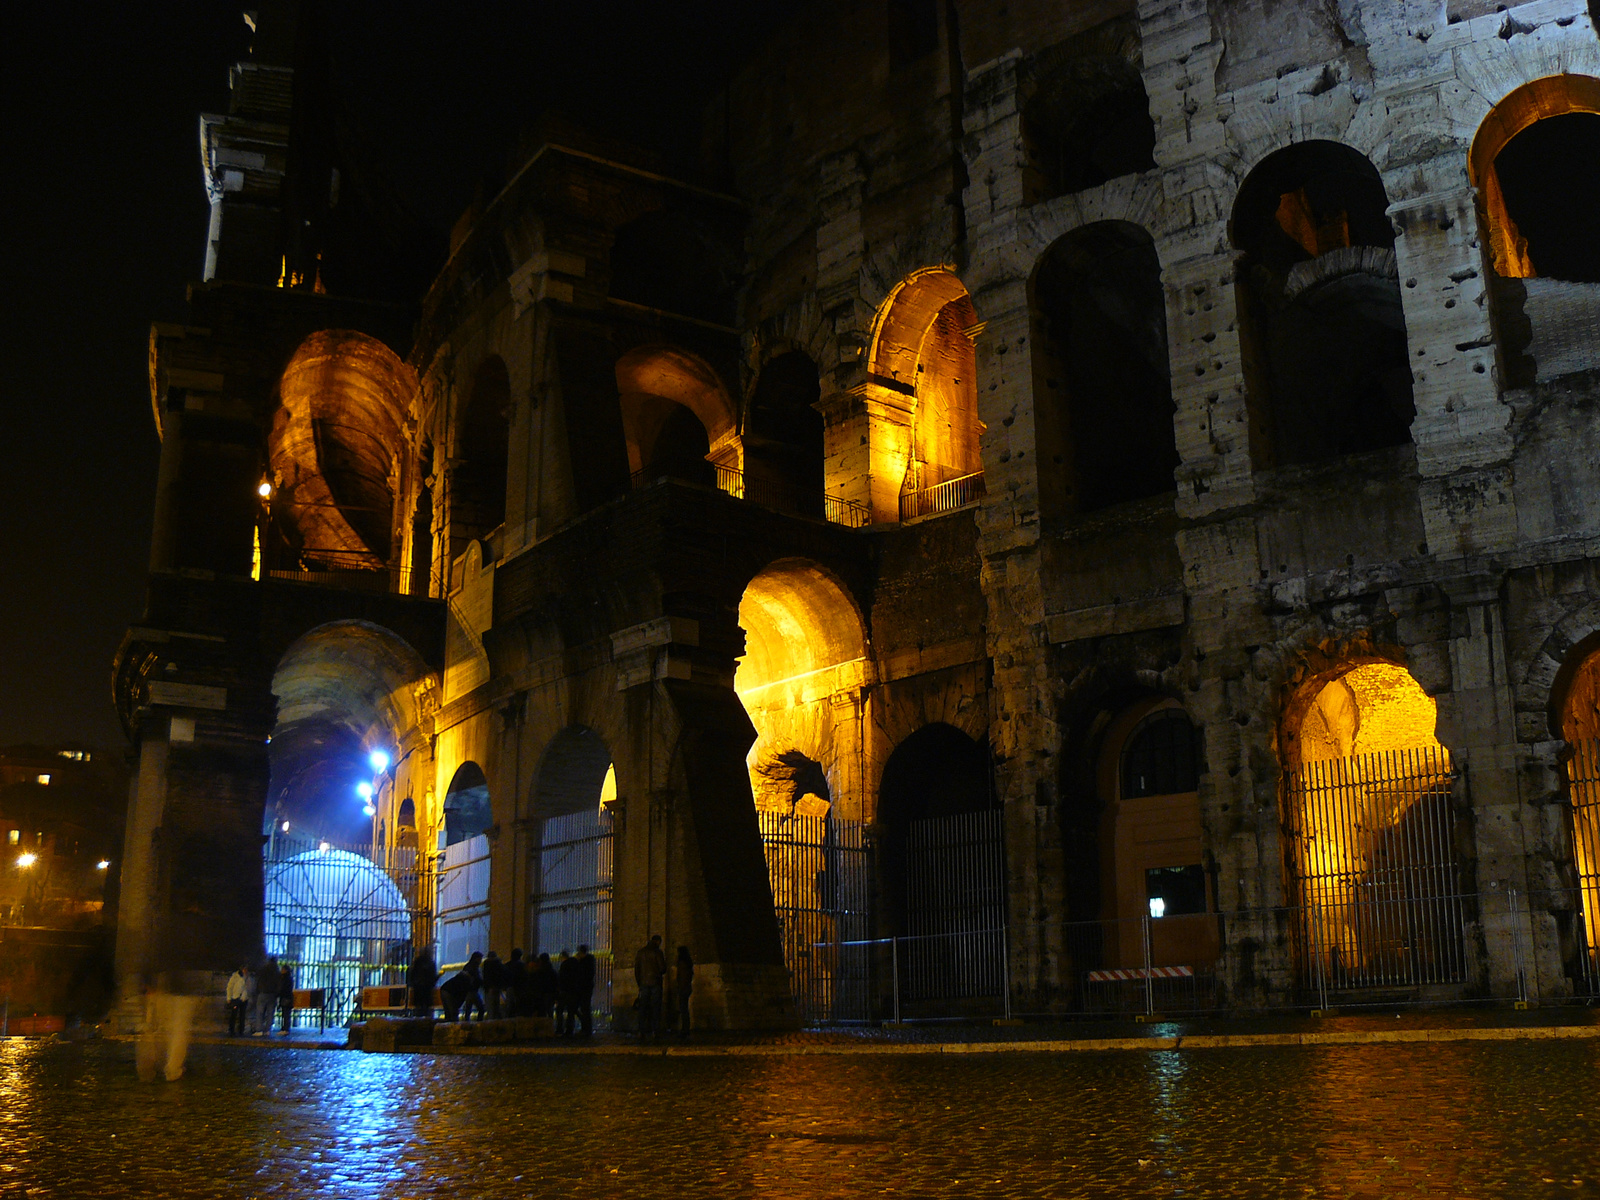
(489, 988)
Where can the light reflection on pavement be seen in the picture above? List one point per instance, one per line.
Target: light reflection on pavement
(1501, 1119)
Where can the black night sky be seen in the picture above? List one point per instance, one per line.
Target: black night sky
(105, 220)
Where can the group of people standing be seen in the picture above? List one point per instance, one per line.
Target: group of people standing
(493, 988)
(650, 974)
(255, 996)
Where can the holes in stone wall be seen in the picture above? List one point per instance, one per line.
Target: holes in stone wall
(1102, 382)
(1319, 299)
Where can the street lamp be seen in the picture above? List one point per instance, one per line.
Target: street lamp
(27, 858)
(379, 760)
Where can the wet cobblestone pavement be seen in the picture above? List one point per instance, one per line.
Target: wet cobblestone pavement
(1503, 1119)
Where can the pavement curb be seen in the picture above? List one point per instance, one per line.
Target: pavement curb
(1198, 1041)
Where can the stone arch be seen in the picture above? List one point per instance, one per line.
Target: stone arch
(570, 872)
(1102, 382)
(922, 352)
(482, 444)
(800, 679)
(343, 689)
(335, 440)
(677, 416)
(467, 810)
(1370, 832)
(1535, 161)
(1321, 321)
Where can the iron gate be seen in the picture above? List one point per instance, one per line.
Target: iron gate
(572, 893)
(955, 943)
(1370, 841)
(341, 917)
(1583, 778)
(821, 876)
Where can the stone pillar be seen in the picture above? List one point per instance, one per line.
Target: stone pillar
(688, 859)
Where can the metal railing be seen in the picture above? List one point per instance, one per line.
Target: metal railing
(943, 497)
(778, 495)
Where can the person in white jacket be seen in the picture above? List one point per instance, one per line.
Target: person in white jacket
(238, 1000)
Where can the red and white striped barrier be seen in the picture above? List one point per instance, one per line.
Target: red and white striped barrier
(1141, 973)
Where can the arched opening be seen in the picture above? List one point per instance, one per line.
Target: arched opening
(1152, 854)
(343, 909)
(1323, 328)
(1100, 368)
(783, 436)
(478, 485)
(571, 862)
(678, 261)
(1088, 119)
(800, 680)
(1578, 693)
(943, 869)
(1370, 833)
(922, 350)
(334, 444)
(677, 418)
(463, 867)
(1536, 161)
(422, 525)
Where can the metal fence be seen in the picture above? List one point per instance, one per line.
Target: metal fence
(779, 495)
(1583, 779)
(955, 944)
(821, 875)
(571, 903)
(1370, 845)
(463, 891)
(341, 918)
(943, 497)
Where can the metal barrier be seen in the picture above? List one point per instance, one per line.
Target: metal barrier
(1371, 847)
(943, 497)
(572, 899)
(339, 920)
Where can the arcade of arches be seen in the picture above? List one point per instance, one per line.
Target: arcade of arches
(1015, 508)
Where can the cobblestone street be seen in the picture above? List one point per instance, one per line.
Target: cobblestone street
(1510, 1119)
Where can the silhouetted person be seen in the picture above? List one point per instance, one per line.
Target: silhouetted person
(516, 985)
(494, 984)
(581, 966)
(474, 997)
(420, 982)
(542, 986)
(459, 989)
(285, 995)
(563, 1008)
(238, 1000)
(650, 972)
(683, 984)
(266, 995)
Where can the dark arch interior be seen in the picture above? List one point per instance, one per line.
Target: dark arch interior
(936, 772)
(680, 449)
(1104, 369)
(1320, 310)
(1088, 122)
(466, 805)
(1550, 174)
(677, 261)
(783, 441)
(571, 773)
(480, 491)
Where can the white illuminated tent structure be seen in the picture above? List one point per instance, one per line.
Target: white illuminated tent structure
(340, 923)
